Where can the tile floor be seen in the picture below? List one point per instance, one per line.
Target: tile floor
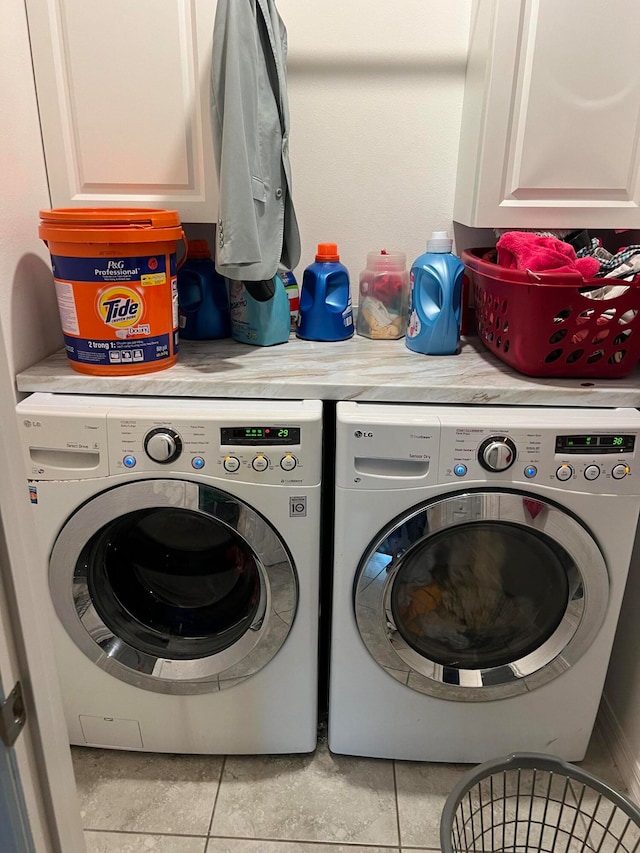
(321, 803)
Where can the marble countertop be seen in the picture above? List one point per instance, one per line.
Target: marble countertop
(357, 369)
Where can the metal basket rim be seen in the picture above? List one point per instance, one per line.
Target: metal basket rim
(526, 761)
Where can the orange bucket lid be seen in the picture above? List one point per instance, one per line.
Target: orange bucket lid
(109, 225)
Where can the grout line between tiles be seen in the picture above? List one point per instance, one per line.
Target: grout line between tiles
(215, 799)
(145, 832)
(366, 846)
(395, 794)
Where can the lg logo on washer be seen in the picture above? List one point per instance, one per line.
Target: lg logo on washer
(360, 434)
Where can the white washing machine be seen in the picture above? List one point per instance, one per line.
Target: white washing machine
(180, 545)
(480, 558)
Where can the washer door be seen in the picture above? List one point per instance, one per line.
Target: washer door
(173, 586)
(480, 596)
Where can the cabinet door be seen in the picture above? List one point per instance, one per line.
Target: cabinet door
(123, 92)
(551, 118)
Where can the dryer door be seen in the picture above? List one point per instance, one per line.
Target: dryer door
(173, 586)
(481, 595)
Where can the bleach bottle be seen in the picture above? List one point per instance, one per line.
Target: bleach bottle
(203, 306)
(325, 300)
(435, 299)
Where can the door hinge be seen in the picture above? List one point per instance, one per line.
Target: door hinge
(13, 716)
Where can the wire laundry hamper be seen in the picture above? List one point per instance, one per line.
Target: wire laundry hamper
(526, 802)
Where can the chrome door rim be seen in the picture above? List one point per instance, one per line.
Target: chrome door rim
(75, 608)
(575, 633)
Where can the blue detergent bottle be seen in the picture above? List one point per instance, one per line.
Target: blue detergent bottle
(260, 313)
(203, 305)
(325, 299)
(435, 299)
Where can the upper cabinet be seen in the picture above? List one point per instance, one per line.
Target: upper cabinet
(551, 119)
(123, 93)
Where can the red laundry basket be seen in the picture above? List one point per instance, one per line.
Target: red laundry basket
(543, 324)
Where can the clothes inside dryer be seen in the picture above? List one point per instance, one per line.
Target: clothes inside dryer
(480, 595)
(174, 581)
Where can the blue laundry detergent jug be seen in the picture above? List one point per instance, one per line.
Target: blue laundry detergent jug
(435, 299)
(260, 312)
(325, 299)
(203, 306)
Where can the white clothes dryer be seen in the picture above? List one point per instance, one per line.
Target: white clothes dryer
(180, 556)
(480, 561)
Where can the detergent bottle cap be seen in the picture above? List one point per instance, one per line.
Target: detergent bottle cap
(439, 242)
(198, 249)
(383, 260)
(327, 252)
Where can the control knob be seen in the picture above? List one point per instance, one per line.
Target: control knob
(497, 453)
(162, 445)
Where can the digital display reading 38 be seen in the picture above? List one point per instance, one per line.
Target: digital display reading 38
(595, 443)
(260, 435)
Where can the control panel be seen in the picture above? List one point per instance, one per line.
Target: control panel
(248, 441)
(538, 455)
(401, 447)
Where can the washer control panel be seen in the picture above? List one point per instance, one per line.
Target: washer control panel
(265, 453)
(257, 441)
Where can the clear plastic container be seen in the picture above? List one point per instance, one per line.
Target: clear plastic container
(384, 296)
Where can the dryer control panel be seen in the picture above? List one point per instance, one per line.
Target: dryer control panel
(390, 446)
(272, 443)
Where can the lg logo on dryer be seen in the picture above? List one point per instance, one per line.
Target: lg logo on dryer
(360, 434)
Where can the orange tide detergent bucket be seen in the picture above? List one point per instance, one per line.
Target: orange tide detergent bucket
(115, 275)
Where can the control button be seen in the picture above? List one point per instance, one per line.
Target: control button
(620, 471)
(288, 463)
(460, 470)
(129, 461)
(162, 445)
(591, 472)
(231, 464)
(497, 453)
(260, 463)
(564, 472)
(197, 462)
(530, 471)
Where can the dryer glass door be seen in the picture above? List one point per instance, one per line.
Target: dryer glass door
(173, 586)
(481, 595)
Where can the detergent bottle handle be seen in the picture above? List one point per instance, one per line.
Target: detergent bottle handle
(183, 237)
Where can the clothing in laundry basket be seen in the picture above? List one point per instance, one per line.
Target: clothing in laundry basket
(257, 226)
(522, 250)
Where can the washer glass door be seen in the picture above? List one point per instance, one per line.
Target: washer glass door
(173, 586)
(481, 595)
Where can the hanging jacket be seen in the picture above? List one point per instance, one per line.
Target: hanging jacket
(257, 226)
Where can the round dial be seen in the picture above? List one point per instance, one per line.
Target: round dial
(162, 445)
(497, 453)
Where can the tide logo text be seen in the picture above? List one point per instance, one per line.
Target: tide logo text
(120, 307)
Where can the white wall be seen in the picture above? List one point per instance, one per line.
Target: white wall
(375, 96)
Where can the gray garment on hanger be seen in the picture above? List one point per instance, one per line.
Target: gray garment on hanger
(257, 226)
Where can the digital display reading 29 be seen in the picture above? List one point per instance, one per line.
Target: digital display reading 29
(595, 443)
(260, 435)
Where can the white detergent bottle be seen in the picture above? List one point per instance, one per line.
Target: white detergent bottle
(435, 299)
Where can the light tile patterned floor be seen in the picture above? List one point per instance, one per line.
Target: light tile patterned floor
(321, 803)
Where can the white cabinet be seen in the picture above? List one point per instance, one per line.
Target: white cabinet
(123, 93)
(551, 119)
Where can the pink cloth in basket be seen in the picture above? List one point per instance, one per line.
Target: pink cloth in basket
(522, 250)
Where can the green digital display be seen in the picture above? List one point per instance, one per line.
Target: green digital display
(260, 435)
(595, 443)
